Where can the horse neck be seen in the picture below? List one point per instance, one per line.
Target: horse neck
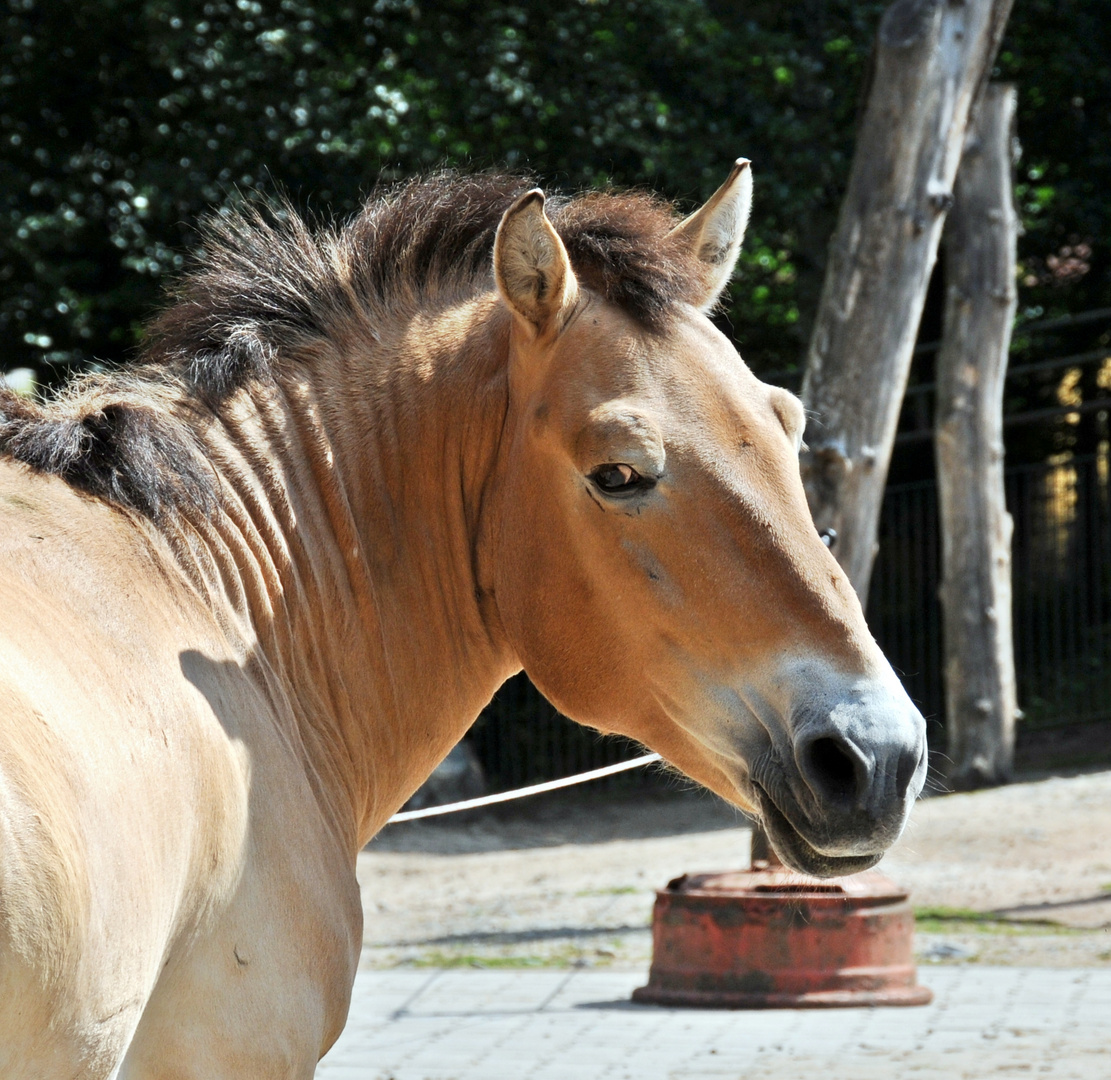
(345, 554)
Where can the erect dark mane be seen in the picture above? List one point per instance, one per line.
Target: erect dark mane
(268, 284)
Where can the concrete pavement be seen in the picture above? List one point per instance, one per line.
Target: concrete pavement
(466, 1024)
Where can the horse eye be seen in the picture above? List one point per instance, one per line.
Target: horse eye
(616, 478)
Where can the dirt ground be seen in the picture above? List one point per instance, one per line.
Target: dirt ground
(1016, 875)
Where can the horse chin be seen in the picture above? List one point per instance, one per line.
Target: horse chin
(798, 854)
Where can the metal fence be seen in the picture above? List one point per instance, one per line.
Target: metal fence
(520, 738)
(1061, 581)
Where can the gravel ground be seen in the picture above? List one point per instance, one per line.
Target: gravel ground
(1017, 876)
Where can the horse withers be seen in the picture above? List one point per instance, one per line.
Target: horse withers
(255, 586)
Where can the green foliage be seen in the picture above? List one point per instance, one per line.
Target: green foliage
(122, 121)
(1058, 53)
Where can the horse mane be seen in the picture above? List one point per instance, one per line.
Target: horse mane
(268, 284)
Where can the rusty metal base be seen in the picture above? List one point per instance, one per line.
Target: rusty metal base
(819, 999)
(769, 938)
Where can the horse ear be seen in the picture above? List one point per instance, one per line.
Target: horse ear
(715, 231)
(531, 267)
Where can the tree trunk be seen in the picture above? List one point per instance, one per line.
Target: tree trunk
(976, 529)
(931, 59)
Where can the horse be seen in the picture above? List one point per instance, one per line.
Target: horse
(257, 583)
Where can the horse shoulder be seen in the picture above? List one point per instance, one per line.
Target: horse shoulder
(180, 813)
(123, 805)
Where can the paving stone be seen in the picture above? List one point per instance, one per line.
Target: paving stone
(985, 1023)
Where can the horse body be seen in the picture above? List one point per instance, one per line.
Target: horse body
(145, 901)
(212, 784)
(272, 582)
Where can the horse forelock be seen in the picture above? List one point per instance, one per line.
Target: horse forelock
(268, 284)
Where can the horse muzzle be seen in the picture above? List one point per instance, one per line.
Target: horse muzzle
(836, 793)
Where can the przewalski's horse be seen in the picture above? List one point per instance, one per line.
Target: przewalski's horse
(253, 589)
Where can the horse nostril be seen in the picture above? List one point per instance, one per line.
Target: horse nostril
(908, 766)
(830, 770)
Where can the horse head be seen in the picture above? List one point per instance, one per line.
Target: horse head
(657, 569)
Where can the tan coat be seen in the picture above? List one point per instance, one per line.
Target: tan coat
(220, 676)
